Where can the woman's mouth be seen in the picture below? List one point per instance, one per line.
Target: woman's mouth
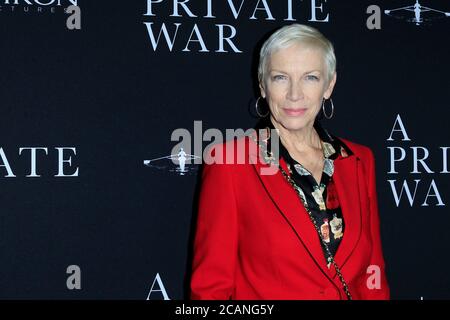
(294, 112)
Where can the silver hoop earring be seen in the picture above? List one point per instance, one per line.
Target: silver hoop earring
(332, 109)
(257, 109)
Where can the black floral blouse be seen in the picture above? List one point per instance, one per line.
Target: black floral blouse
(321, 198)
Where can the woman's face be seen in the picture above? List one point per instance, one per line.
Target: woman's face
(295, 85)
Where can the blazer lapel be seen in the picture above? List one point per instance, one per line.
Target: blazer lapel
(347, 187)
(290, 207)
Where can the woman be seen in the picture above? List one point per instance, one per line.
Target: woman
(311, 229)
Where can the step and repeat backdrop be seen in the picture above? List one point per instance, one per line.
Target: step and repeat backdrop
(96, 97)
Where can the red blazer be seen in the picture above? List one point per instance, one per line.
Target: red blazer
(254, 239)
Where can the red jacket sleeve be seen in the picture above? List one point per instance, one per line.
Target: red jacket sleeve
(382, 291)
(215, 241)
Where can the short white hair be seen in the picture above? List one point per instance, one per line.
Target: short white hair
(297, 34)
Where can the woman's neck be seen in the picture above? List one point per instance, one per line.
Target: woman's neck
(299, 141)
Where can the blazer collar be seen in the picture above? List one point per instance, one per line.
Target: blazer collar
(334, 146)
(347, 176)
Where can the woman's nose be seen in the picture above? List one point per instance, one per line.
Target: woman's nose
(295, 91)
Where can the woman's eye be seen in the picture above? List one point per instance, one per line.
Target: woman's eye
(279, 77)
(312, 77)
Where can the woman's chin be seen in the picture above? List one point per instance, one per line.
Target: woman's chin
(294, 124)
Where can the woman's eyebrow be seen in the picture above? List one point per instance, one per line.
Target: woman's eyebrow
(280, 71)
(275, 70)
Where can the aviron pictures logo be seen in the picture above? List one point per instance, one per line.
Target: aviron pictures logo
(417, 13)
(35, 6)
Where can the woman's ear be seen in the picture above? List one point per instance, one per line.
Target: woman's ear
(262, 90)
(329, 90)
